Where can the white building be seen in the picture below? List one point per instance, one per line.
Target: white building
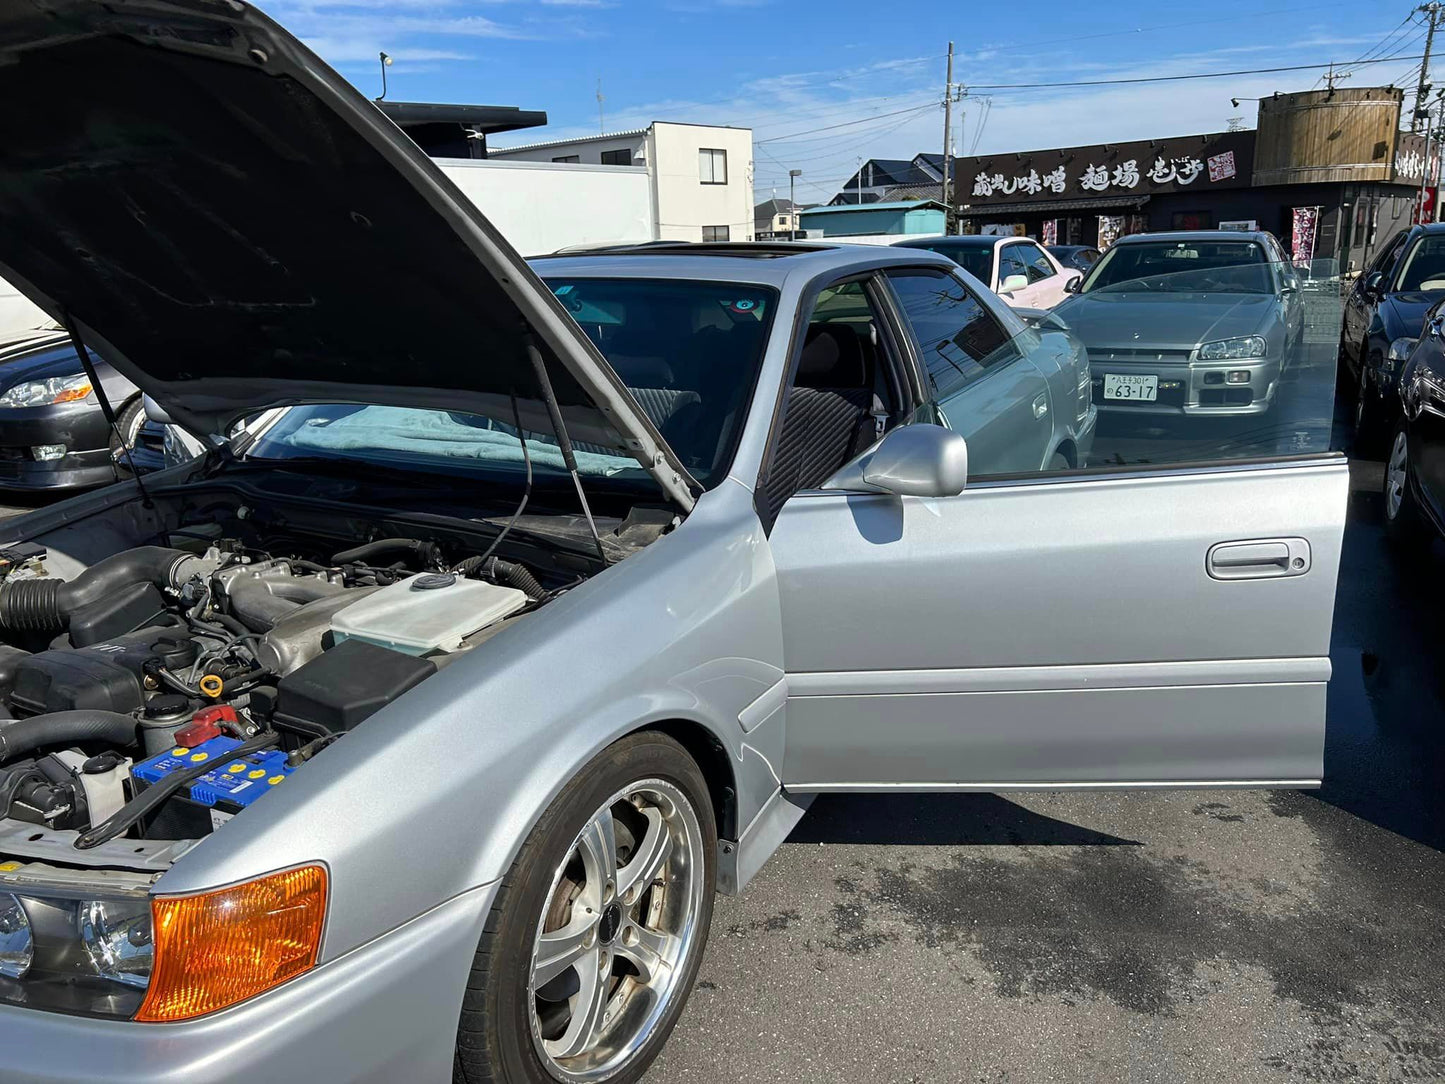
(702, 175)
(540, 207)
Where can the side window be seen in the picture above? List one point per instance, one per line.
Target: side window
(959, 338)
(840, 400)
(1010, 264)
(1036, 263)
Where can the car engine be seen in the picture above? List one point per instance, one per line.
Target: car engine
(163, 690)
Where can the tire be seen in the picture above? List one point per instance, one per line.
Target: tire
(1404, 524)
(1368, 412)
(132, 416)
(510, 1035)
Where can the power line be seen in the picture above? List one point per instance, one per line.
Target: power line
(846, 124)
(1179, 78)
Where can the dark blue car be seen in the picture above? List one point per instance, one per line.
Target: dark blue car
(1384, 313)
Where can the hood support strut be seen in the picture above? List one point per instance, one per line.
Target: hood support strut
(560, 427)
(105, 408)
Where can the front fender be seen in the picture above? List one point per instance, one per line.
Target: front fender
(435, 794)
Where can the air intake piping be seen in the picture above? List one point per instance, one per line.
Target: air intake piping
(46, 605)
(65, 728)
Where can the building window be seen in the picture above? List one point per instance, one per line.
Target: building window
(712, 166)
(715, 233)
(617, 158)
(568, 158)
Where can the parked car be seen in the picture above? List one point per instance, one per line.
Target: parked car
(1195, 323)
(53, 434)
(1384, 312)
(1015, 268)
(1415, 467)
(413, 737)
(1079, 257)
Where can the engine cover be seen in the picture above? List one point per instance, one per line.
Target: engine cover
(105, 676)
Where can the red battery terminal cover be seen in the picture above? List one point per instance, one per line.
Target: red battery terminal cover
(207, 724)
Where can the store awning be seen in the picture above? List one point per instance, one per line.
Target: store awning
(1100, 204)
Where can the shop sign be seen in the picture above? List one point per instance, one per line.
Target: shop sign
(1143, 167)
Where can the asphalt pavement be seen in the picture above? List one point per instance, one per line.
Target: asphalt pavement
(1205, 936)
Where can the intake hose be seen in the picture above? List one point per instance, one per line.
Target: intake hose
(504, 572)
(65, 728)
(425, 553)
(46, 605)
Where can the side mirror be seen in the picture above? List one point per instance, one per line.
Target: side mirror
(919, 460)
(154, 411)
(1074, 285)
(1375, 283)
(1012, 283)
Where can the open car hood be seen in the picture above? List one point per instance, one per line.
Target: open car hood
(233, 226)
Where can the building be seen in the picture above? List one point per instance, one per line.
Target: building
(444, 130)
(874, 219)
(889, 180)
(702, 175)
(775, 219)
(1328, 172)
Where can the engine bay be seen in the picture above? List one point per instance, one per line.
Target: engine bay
(163, 689)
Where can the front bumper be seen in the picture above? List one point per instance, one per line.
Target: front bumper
(385, 1012)
(1187, 388)
(79, 426)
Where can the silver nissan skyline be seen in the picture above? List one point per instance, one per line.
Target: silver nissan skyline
(411, 734)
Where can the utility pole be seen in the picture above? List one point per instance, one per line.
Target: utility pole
(1423, 87)
(947, 129)
(793, 175)
(601, 122)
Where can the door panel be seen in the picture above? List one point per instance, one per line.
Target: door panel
(1058, 633)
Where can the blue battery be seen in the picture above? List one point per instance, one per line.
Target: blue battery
(233, 784)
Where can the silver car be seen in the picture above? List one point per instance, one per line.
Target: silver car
(1196, 323)
(412, 736)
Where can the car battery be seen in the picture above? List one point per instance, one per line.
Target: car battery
(232, 785)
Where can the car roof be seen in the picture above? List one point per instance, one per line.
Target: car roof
(956, 240)
(748, 262)
(1257, 236)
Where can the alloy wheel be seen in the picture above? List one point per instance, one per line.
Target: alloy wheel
(619, 923)
(1395, 475)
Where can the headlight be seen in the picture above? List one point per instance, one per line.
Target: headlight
(74, 950)
(1401, 348)
(17, 948)
(1246, 346)
(116, 936)
(56, 389)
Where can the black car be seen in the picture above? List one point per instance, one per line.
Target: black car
(1079, 257)
(1415, 467)
(52, 432)
(1384, 312)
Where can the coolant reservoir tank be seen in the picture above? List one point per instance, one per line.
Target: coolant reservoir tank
(426, 613)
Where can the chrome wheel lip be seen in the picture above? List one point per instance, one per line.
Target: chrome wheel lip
(640, 1008)
(1396, 472)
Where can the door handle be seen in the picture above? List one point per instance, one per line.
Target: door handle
(1041, 405)
(1258, 559)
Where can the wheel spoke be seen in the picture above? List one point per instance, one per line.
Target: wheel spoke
(646, 950)
(589, 1005)
(561, 949)
(598, 845)
(647, 861)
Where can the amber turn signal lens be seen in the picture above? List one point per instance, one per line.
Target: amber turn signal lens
(217, 948)
(71, 395)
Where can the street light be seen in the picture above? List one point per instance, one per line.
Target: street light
(793, 175)
(385, 63)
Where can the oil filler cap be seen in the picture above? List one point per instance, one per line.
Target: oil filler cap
(430, 581)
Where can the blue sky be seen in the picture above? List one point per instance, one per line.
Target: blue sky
(789, 69)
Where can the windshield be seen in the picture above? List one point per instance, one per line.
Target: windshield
(688, 351)
(1424, 266)
(977, 260)
(1230, 267)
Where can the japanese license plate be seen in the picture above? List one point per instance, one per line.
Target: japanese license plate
(1131, 386)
